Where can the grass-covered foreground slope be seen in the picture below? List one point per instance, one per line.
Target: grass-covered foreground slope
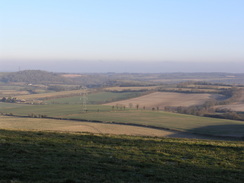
(59, 157)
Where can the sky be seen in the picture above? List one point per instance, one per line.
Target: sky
(122, 35)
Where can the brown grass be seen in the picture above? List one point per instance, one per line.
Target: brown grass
(162, 99)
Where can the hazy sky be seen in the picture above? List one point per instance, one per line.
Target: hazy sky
(122, 35)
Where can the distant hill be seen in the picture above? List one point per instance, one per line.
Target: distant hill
(34, 77)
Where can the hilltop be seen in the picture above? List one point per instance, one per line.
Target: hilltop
(34, 77)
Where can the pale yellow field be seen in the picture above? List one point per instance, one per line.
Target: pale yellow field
(162, 99)
(49, 95)
(130, 88)
(14, 123)
(71, 75)
(12, 92)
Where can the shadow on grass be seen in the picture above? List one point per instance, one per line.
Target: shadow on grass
(215, 132)
(57, 157)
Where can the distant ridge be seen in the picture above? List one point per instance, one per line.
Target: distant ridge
(34, 77)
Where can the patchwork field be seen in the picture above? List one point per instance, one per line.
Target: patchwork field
(162, 99)
(52, 138)
(145, 118)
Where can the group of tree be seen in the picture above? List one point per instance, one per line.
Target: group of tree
(232, 94)
(37, 115)
(34, 77)
(9, 99)
(207, 109)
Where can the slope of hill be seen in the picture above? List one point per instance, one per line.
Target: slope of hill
(34, 77)
(28, 156)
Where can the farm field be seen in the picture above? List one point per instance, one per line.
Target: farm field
(161, 119)
(181, 122)
(4, 93)
(60, 157)
(44, 96)
(95, 98)
(123, 99)
(162, 99)
(189, 90)
(120, 89)
(18, 123)
(236, 106)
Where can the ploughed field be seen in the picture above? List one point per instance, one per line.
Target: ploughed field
(162, 99)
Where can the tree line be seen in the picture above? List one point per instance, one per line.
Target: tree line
(207, 109)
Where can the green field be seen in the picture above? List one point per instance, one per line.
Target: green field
(188, 123)
(96, 98)
(59, 157)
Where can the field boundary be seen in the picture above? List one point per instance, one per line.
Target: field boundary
(214, 137)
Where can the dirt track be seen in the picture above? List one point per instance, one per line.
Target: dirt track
(162, 99)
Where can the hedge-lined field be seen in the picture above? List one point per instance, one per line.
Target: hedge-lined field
(182, 122)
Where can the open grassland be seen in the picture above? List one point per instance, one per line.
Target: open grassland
(20, 123)
(181, 122)
(27, 156)
(161, 119)
(162, 99)
(95, 98)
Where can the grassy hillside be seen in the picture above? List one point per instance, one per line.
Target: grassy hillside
(59, 157)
